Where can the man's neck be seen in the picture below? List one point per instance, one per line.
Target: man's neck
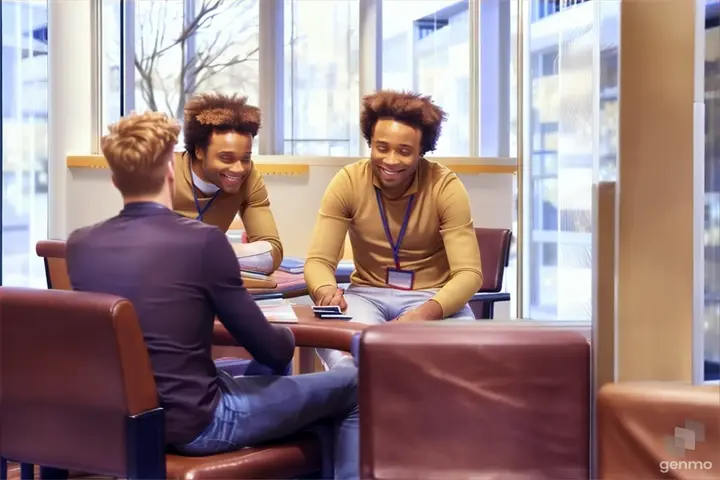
(396, 192)
(197, 169)
(159, 199)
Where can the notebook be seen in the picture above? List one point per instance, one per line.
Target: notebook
(293, 265)
(278, 310)
(254, 257)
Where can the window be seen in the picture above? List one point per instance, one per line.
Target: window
(24, 141)
(712, 194)
(562, 165)
(178, 48)
(426, 48)
(321, 82)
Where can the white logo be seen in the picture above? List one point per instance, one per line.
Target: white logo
(684, 439)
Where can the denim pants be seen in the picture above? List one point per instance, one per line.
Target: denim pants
(377, 305)
(255, 409)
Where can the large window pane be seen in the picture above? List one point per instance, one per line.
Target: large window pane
(321, 105)
(562, 131)
(426, 49)
(111, 60)
(712, 194)
(181, 47)
(497, 82)
(24, 142)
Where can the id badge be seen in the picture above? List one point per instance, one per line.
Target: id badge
(402, 279)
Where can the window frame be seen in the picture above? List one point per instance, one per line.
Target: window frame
(271, 66)
(370, 18)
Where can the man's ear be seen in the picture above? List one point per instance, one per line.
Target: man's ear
(199, 154)
(114, 182)
(171, 169)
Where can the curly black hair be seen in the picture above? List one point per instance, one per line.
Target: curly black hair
(407, 107)
(207, 113)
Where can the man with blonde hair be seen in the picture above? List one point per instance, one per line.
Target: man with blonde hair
(180, 274)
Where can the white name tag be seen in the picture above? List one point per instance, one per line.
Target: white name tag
(402, 279)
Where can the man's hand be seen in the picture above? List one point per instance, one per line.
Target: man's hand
(330, 295)
(407, 317)
(429, 310)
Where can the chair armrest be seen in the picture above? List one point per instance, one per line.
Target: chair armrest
(337, 335)
(648, 429)
(266, 296)
(491, 297)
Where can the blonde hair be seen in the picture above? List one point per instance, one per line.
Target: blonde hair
(137, 149)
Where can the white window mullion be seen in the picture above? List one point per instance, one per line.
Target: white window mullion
(370, 61)
(272, 78)
(128, 56)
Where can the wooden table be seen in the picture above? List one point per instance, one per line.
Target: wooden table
(310, 333)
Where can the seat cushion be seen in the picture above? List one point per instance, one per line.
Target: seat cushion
(290, 459)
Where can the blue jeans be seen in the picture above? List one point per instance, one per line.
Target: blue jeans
(377, 305)
(258, 409)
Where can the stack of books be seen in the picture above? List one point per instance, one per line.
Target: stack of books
(255, 276)
(294, 265)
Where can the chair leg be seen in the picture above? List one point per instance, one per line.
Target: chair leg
(27, 471)
(146, 445)
(52, 473)
(490, 310)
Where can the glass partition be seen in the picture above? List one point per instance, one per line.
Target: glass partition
(571, 143)
(712, 192)
(24, 141)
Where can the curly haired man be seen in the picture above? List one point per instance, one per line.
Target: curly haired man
(216, 178)
(414, 245)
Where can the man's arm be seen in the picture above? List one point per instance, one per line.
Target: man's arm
(271, 345)
(329, 233)
(461, 248)
(258, 218)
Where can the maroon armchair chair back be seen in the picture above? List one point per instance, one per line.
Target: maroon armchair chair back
(76, 384)
(77, 393)
(53, 254)
(494, 246)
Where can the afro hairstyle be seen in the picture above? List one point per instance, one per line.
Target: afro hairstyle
(407, 107)
(207, 113)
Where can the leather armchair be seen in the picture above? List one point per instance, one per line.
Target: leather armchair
(474, 400)
(85, 399)
(658, 430)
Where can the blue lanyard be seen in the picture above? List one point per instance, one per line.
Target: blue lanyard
(201, 211)
(383, 216)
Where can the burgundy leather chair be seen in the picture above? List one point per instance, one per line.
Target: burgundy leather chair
(53, 254)
(494, 246)
(658, 430)
(501, 400)
(77, 394)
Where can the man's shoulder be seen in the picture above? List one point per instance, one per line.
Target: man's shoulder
(83, 235)
(192, 230)
(172, 228)
(437, 173)
(357, 170)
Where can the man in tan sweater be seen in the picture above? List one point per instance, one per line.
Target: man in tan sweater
(414, 246)
(215, 177)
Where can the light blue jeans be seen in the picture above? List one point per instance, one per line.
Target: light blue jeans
(257, 409)
(377, 305)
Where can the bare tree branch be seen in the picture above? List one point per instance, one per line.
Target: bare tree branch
(157, 48)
